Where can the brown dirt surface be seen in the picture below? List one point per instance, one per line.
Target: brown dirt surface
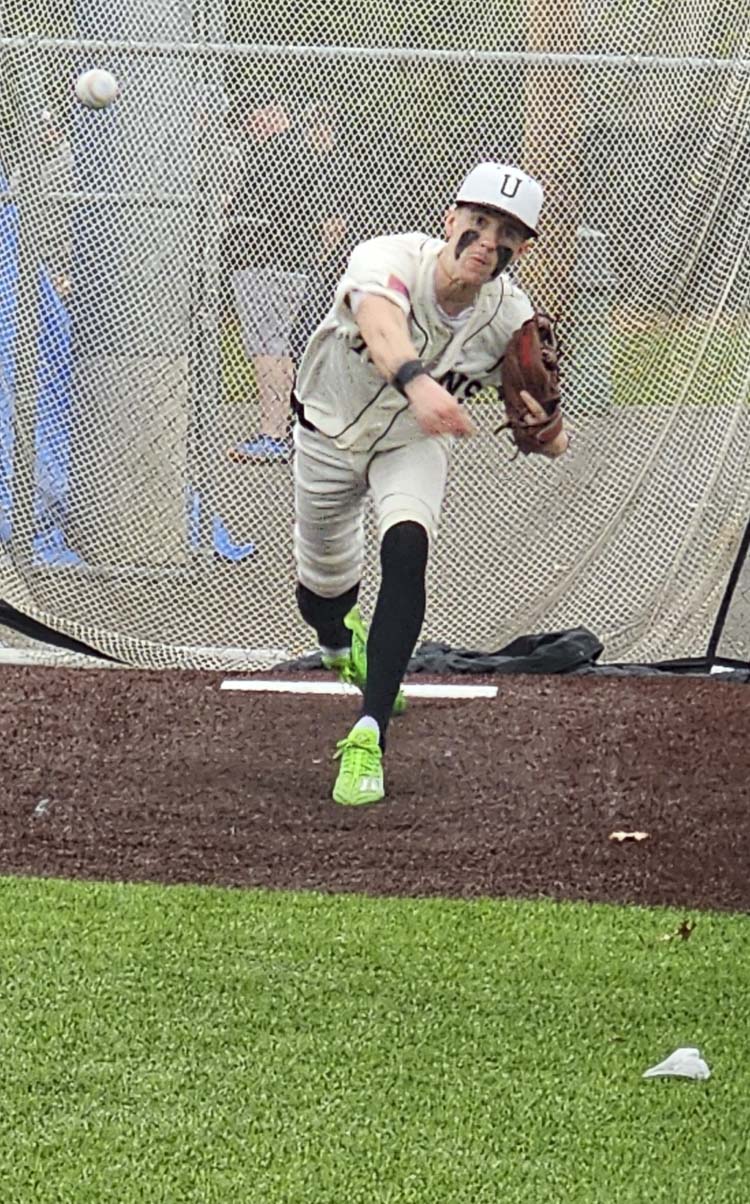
(144, 776)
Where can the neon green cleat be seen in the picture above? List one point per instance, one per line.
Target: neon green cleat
(360, 777)
(352, 669)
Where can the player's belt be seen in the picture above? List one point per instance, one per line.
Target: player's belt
(299, 412)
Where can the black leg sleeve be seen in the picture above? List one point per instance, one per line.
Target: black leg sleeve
(398, 617)
(326, 615)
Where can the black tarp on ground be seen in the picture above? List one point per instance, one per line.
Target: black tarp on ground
(575, 651)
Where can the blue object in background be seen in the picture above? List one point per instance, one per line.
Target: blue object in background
(223, 544)
(52, 434)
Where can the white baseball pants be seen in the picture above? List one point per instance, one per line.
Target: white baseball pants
(406, 484)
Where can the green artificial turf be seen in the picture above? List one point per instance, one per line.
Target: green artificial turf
(188, 1044)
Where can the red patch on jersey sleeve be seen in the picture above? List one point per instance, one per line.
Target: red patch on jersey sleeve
(398, 286)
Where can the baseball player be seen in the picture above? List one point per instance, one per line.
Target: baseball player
(418, 326)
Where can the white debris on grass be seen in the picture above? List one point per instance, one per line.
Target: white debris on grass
(684, 1063)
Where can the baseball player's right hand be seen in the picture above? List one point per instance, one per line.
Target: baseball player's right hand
(436, 410)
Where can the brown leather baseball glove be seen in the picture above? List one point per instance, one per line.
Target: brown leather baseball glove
(531, 366)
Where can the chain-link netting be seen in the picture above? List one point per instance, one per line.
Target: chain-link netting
(163, 260)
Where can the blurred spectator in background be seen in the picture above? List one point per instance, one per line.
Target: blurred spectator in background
(287, 236)
(267, 283)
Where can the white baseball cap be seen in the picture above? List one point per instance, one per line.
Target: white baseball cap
(501, 186)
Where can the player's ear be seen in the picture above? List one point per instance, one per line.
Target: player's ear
(449, 220)
(524, 247)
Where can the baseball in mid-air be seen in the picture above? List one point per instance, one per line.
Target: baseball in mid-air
(97, 88)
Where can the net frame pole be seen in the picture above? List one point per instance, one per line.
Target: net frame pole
(726, 601)
(244, 50)
(205, 286)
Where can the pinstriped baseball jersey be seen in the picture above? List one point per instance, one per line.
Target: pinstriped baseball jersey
(342, 392)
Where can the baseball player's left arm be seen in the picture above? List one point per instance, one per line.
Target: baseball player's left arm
(537, 414)
(518, 311)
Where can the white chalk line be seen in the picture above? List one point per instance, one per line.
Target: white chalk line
(335, 687)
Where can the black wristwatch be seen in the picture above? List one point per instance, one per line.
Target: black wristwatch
(406, 373)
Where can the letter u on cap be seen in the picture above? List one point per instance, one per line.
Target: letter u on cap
(504, 187)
